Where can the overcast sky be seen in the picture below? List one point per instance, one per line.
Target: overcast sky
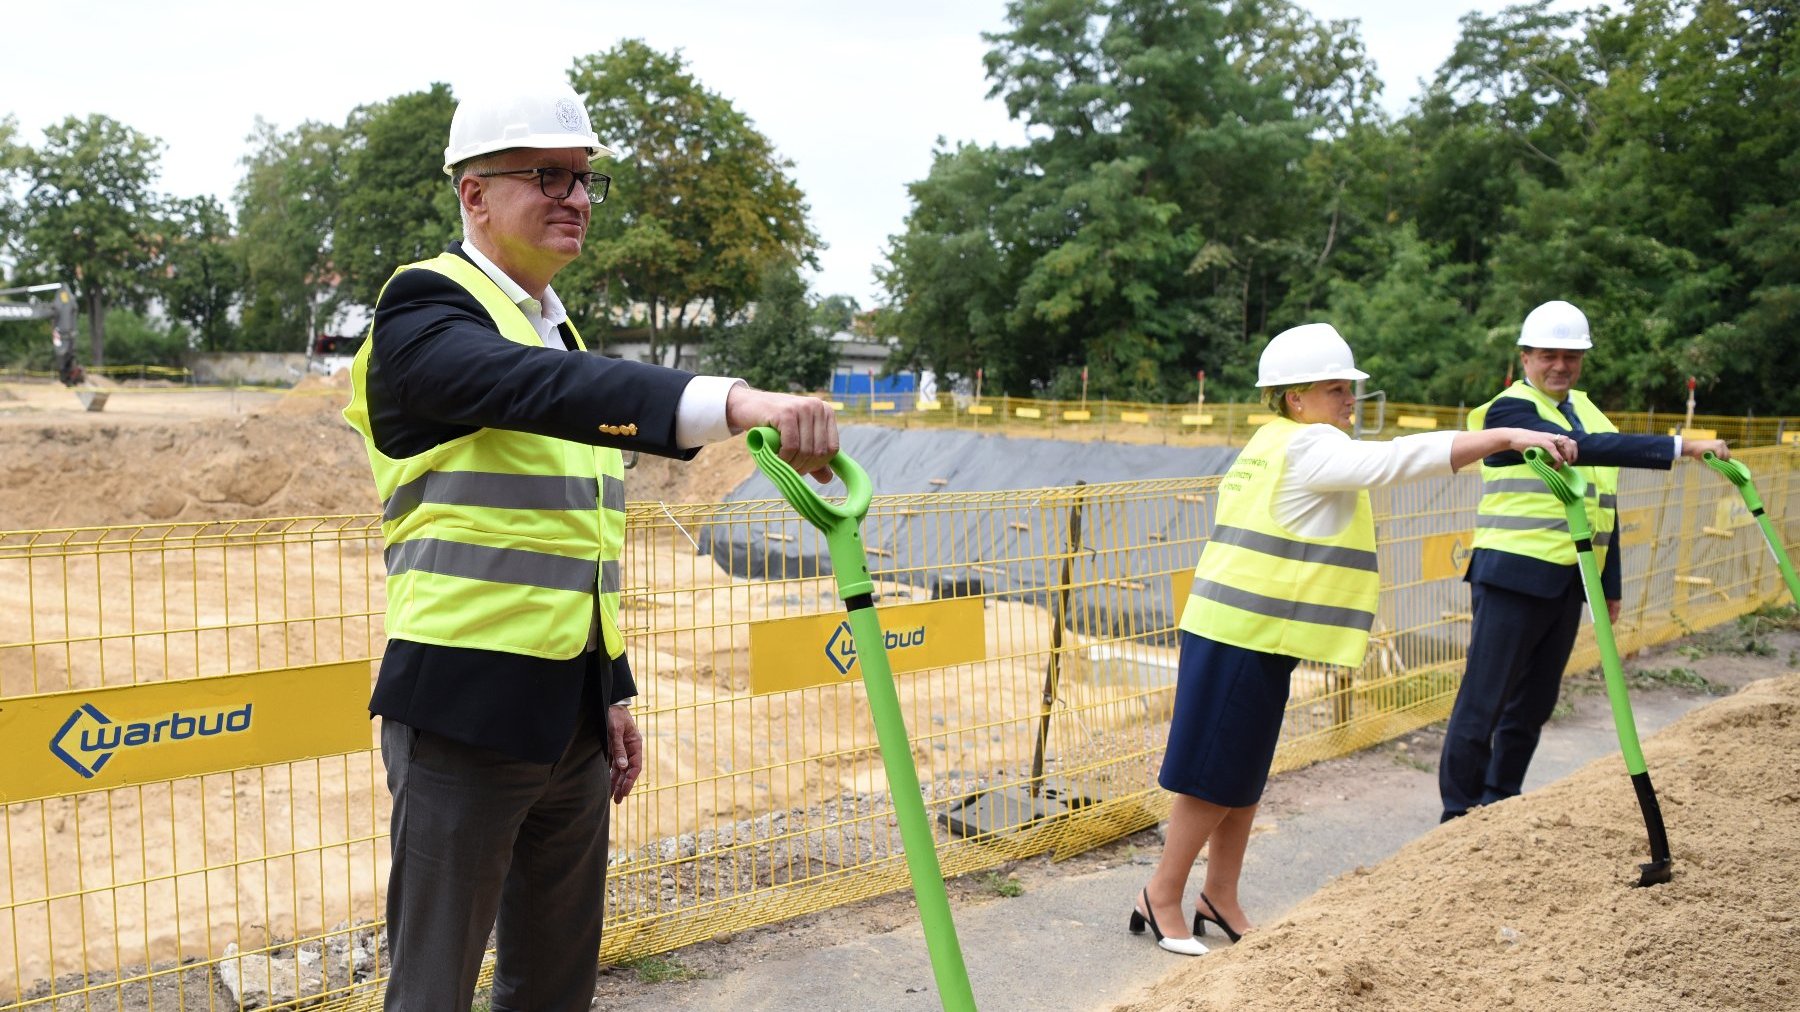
(855, 94)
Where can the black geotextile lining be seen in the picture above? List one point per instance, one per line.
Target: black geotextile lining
(999, 550)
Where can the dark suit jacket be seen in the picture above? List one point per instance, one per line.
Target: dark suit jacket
(439, 370)
(1526, 575)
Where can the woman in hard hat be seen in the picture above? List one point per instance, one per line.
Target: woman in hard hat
(1288, 575)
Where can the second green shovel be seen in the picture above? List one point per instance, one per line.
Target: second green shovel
(1570, 488)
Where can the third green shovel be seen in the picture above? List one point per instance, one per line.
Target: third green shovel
(1739, 475)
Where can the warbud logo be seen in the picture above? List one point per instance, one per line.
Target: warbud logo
(840, 649)
(89, 739)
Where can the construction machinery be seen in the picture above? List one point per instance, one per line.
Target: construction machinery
(60, 311)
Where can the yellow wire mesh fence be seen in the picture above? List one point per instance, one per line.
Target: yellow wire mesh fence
(1232, 423)
(1032, 635)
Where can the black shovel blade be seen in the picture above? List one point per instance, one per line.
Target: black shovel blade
(1656, 872)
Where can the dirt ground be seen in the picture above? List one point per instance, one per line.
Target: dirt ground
(1531, 904)
(160, 454)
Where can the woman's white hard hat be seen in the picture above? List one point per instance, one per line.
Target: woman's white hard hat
(546, 115)
(1308, 353)
(1556, 325)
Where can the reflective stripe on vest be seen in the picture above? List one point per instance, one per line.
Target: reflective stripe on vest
(498, 540)
(1261, 587)
(1519, 515)
(504, 491)
(498, 565)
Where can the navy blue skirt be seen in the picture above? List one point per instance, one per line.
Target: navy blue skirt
(1229, 703)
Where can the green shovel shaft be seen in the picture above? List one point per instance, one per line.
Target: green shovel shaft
(1777, 550)
(1570, 488)
(909, 810)
(1616, 693)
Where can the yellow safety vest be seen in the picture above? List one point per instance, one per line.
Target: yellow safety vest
(1518, 515)
(498, 540)
(1262, 587)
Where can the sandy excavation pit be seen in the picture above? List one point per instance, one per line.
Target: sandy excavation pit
(1531, 904)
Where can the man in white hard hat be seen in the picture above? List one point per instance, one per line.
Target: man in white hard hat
(1524, 578)
(495, 443)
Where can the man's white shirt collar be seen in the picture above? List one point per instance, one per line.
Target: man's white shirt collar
(550, 311)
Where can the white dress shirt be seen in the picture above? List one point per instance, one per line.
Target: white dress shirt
(1326, 469)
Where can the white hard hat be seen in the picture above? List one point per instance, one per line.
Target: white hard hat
(1555, 325)
(548, 115)
(1307, 354)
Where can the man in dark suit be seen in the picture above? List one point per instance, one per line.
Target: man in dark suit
(1525, 581)
(495, 444)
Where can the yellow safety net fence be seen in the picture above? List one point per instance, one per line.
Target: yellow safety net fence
(1037, 729)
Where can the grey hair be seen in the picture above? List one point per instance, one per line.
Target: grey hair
(463, 168)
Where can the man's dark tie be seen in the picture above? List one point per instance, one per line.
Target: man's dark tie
(1567, 407)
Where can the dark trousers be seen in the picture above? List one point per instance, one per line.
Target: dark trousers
(484, 841)
(1517, 651)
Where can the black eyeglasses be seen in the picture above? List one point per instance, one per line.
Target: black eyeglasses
(557, 182)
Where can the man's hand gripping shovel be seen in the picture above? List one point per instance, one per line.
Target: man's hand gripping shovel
(1569, 487)
(841, 527)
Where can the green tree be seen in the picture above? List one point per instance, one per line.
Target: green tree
(1159, 215)
(777, 348)
(396, 205)
(951, 276)
(201, 274)
(88, 215)
(835, 313)
(138, 340)
(288, 207)
(701, 206)
(1410, 331)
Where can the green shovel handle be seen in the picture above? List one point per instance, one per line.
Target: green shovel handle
(1736, 473)
(1563, 482)
(765, 445)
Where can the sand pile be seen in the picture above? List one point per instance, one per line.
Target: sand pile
(125, 470)
(292, 456)
(1529, 904)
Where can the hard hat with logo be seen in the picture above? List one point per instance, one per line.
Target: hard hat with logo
(1307, 354)
(546, 115)
(1555, 325)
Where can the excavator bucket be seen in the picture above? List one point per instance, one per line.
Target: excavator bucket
(91, 398)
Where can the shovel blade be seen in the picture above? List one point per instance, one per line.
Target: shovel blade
(1656, 872)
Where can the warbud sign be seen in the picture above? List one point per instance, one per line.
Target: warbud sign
(795, 653)
(85, 740)
(89, 739)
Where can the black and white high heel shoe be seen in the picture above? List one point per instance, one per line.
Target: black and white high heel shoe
(1179, 946)
(1211, 916)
